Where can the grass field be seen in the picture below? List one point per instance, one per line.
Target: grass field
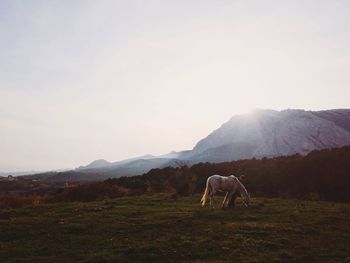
(162, 229)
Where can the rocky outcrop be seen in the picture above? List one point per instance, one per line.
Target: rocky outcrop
(267, 133)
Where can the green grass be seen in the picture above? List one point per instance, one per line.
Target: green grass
(160, 229)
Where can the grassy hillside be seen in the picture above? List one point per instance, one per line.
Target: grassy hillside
(163, 229)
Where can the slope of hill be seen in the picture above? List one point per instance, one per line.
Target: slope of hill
(267, 133)
(262, 133)
(340, 117)
(96, 164)
(103, 163)
(134, 167)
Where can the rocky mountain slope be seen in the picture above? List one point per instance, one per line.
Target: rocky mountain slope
(267, 133)
(261, 133)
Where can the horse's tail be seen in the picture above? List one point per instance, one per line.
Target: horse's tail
(206, 193)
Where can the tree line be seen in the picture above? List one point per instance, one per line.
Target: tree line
(320, 175)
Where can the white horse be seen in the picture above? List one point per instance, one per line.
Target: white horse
(229, 184)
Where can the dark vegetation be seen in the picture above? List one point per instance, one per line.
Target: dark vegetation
(321, 175)
(160, 228)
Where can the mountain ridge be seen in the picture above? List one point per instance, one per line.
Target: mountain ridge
(273, 133)
(261, 133)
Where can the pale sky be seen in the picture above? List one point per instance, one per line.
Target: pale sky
(84, 80)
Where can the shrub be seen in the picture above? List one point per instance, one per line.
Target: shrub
(15, 200)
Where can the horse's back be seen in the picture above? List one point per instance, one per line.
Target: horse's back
(215, 177)
(223, 183)
(215, 181)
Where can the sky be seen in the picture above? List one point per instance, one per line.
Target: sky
(85, 80)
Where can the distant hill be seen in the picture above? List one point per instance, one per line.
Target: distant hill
(5, 174)
(268, 133)
(96, 164)
(340, 117)
(98, 173)
(103, 163)
(261, 133)
(133, 167)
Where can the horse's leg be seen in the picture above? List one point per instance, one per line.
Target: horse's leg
(233, 201)
(212, 198)
(224, 202)
(229, 198)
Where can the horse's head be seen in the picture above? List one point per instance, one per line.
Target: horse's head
(241, 177)
(246, 199)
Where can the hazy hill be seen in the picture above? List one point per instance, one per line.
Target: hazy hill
(267, 133)
(103, 163)
(261, 133)
(340, 117)
(96, 164)
(97, 173)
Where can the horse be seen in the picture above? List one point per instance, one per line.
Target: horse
(229, 184)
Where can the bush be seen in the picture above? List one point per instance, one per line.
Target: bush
(312, 196)
(14, 200)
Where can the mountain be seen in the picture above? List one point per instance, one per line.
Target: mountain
(268, 133)
(137, 166)
(103, 163)
(134, 167)
(340, 117)
(261, 133)
(27, 173)
(96, 164)
(5, 174)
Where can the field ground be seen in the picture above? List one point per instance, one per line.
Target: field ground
(161, 229)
